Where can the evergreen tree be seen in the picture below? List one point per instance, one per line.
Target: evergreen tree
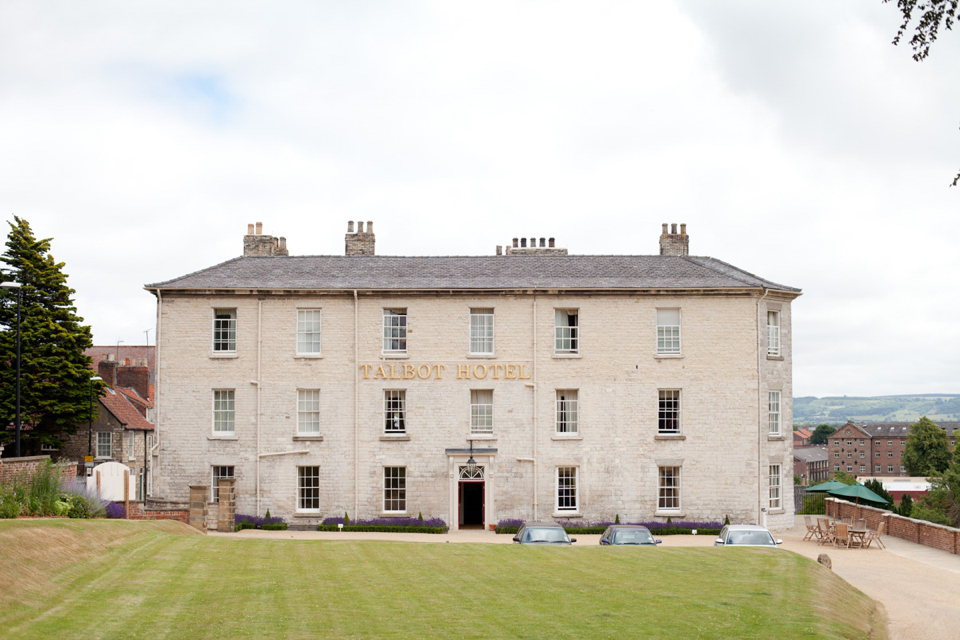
(877, 487)
(927, 452)
(55, 373)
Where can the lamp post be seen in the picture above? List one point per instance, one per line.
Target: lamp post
(16, 286)
(90, 433)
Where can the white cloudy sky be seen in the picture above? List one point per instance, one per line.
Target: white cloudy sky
(794, 140)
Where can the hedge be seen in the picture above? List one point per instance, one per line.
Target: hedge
(382, 528)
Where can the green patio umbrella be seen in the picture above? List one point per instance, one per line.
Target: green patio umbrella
(829, 485)
(859, 492)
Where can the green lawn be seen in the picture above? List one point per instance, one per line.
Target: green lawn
(112, 579)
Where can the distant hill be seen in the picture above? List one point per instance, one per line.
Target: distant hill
(838, 409)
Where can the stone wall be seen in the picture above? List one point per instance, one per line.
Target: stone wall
(141, 511)
(917, 531)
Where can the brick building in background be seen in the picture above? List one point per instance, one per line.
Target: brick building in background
(580, 386)
(875, 448)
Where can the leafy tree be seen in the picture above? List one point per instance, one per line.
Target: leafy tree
(821, 434)
(55, 373)
(927, 452)
(905, 507)
(797, 480)
(845, 478)
(942, 502)
(934, 14)
(877, 487)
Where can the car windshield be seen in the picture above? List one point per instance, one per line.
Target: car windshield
(632, 537)
(750, 537)
(545, 535)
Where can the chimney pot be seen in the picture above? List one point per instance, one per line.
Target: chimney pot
(664, 228)
(369, 226)
(552, 243)
(514, 243)
(499, 250)
(543, 242)
(533, 242)
(683, 228)
(350, 227)
(259, 228)
(283, 243)
(250, 229)
(523, 242)
(359, 226)
(673, 228)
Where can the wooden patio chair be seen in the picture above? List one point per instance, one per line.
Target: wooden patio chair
(841, 535)
(812, 530)
(861, 524)
(874, 536)
(826, 534)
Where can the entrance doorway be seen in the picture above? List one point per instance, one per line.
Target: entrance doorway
(470, 498)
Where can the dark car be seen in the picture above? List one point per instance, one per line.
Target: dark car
(628, 534)
(542, 533)
(745, 535)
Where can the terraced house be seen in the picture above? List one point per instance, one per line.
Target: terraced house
(530, 384)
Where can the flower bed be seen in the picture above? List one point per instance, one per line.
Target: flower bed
(242, 521)
(386, 525)
(588, 528)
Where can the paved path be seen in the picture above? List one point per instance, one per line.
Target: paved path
(918, 586)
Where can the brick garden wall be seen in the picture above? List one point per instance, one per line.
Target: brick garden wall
(10, 468)
(918, 531)
(138, 511)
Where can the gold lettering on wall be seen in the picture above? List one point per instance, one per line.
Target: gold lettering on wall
(405, 371)
(463, 371)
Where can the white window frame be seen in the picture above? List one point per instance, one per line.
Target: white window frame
(566, 336)
(308, 489)
(104, 444)
(568, 412)
(131, 445)
(776, 488)
(669, 333)
(309, 332)
(395, 331)
(218, 471)
(669, 411)
(394, 489)
(224, 412)
(394, 411)
(308, 412)
(481, 412)
(773, 412)
(773, 333)
(225, 331)
(481, 331)
(669, 487)
(567, 493)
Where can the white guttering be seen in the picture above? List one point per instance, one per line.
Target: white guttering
(356, 405)
(536, 414)
(760, 519)
(257, 382)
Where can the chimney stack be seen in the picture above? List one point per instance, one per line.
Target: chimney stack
(673, 243)
(519, 247)
(257, 244)
(361, 243)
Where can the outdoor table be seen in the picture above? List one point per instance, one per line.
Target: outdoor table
(858, 535)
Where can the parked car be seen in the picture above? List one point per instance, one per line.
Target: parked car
(628, 534)
(542, 533)
(745, 535)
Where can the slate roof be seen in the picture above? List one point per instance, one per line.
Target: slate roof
(395, 273)
(119, 405)
(810, 454)
(901, 429)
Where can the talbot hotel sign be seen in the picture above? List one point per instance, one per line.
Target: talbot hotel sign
(404, 371)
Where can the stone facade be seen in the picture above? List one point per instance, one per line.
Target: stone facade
(723, 450)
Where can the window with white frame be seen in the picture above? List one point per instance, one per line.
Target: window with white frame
(225, 330)
(394, 489)
(481, 411)
(568, 411)
(668, 498)
(773, 403)
(668, 413)
(775, 502)
(481, 331)
(773, 333)
(890, 468)
(131, 445)
(395, 330)
(104, 444)
(223, 411)
(567, 331)
(308, 489)
(394, 411)
(877, 468)
(308, 412)
(308, 331)
(567, 489)
(668, 331)
(217, 472)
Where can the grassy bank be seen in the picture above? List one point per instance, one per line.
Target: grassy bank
(125, 579)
